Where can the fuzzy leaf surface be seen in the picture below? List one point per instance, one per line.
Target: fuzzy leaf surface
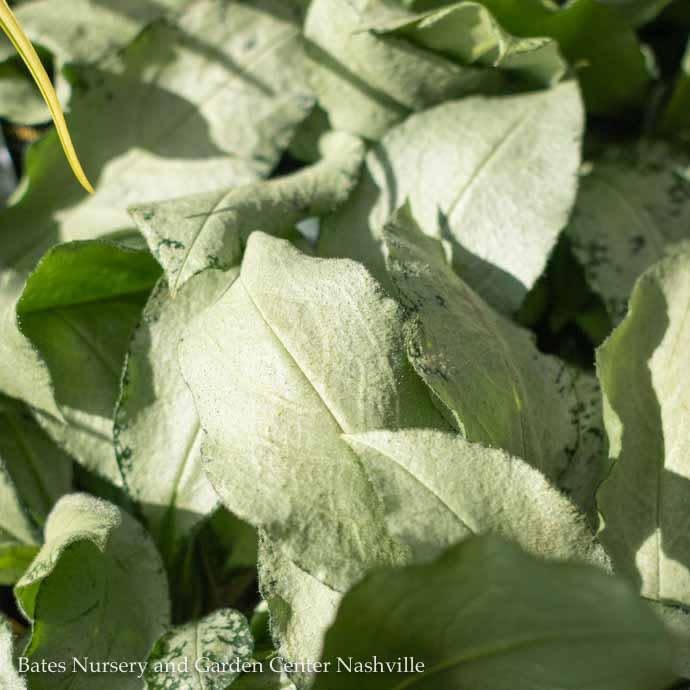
(507, 621)
(632, 206)
(464, 489)
(468, 184)
(469, 34)
(644, 377)
(100, 30)
(190, 234)
(294, 391)
(460, 489)
(368, 83)
(487, 374)
(157, 429)
(302, 607)
(9, 678)
(97, 581)
(601, 47)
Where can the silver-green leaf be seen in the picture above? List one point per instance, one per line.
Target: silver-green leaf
(469, 34)
(94, 30)
(99, 31)
(369, 83)
(302, 608)
(278, 461)
(98, 579)
(486, 373)
(631, 206)
(157, 429)
(643, 368)
(78, 309)
(464, 489)
(469, 184)
(190, 234)
(9, 678)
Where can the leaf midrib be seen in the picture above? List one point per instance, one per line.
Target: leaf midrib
(509, 646)
(645, 223)
(186, 456)
(489, 325)
(424, 485)
(105, 299)
(485, 163)
(293, 358)
(111, 367)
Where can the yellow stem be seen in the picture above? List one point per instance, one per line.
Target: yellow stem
(10, 25)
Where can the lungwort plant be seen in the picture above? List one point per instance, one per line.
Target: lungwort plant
(365, 366)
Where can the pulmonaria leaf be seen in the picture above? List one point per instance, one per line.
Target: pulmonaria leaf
(487, 375)
(555, 416)
(220, 105)
(220, 639)
(508, 621)
(464, 489)
(157, 429)
(302, 608)
(675, 119)
(78, 309)
(190, 234)
(34, 474)
(100, 30)
(466, 182)
(599, 44)
(644, 377)
(368, 83)
(20, 100)
(631, 207)
(294, 391)
(99, 578)
(469, 34)
(9, 678)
